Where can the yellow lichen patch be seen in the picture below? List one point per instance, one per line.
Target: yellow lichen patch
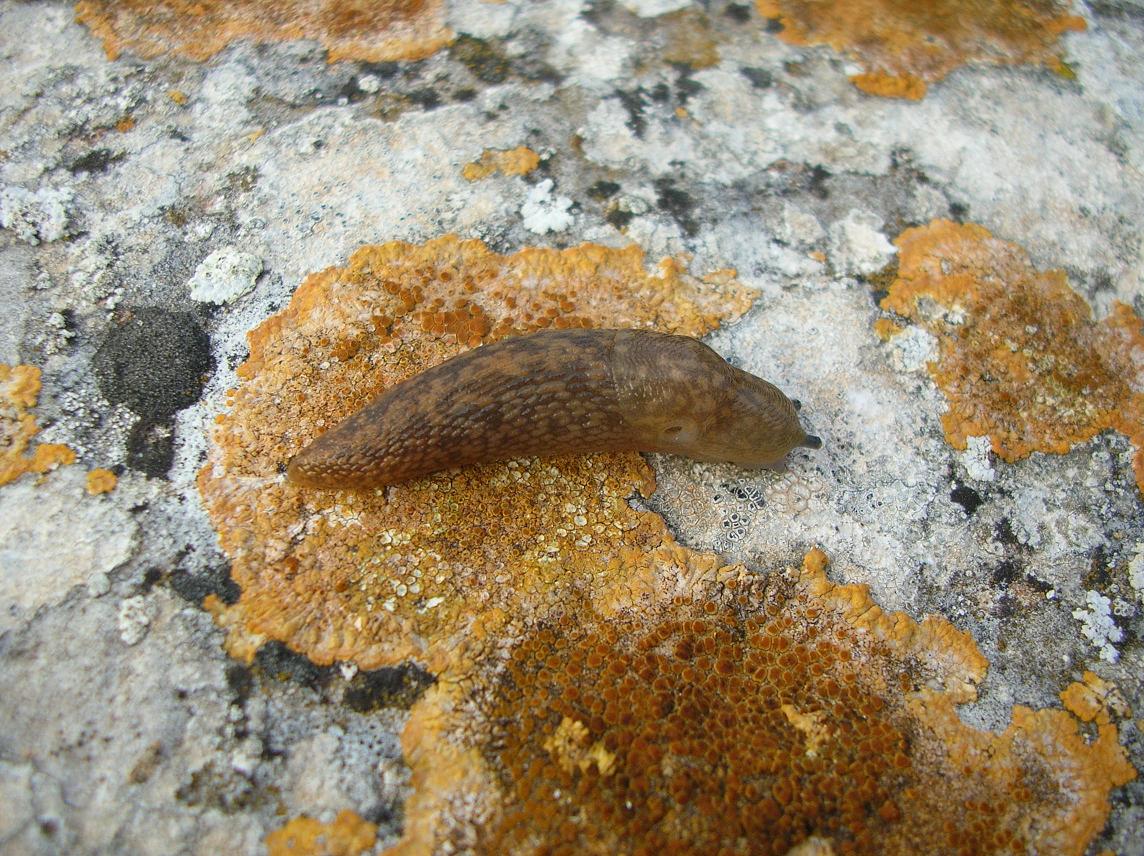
(1020, 357)
(519, 161)
(744, 714)
(433, 568)
(1093, 699)
(198, 29)
(101, 481)
(904, 46)
(19, 391)
(348, 835)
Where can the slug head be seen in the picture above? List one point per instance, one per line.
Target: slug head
(685, 399)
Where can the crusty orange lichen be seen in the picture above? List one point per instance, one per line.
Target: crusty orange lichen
(1020, 357)
(519, 161)
(379, 577)
(347, 835)
(1093, 699)
(101, 481)
(19, 391)
(906, 45)
(744, 714)
(198, 29)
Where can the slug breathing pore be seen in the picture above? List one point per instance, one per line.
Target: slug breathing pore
(558, 392)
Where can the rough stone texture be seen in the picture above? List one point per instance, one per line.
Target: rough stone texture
(676, 127)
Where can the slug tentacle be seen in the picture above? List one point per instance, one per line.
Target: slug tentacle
(557, 393)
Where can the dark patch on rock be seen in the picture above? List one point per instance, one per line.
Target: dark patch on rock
(661, 93)
(95, 161)
(773, 25)
(678, 204)
(966, 497)
(618, 217)
(818, 178)
(399, 687)
(195, 587)
(240, 680)
(484, 62)
(1099, 573)
(634, 103)
(275, 661)
(760, 78)
(602, 190)
(155, 361)
(1003, 532)
(958, 211)
(150, 577)
(465, 95)
(1005, 573)
(685, 87)
(738, 12)
(151, 448)
(426, 99)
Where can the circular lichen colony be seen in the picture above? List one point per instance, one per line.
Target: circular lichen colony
(749, 724)
(379, 576)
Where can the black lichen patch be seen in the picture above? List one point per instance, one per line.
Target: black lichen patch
(740, 13)
(155, 361)
(602, 190)
(760, 78)
(95, 161)
(277, 662)
(216, 580)
(1006, 572)
(678, 204)
(634, 103)
(618, 217)
(966, 497)
(484, 61)
(397, 687)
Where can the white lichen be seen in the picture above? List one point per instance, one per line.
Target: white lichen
(224, 276)
(35, 216)
(857, 244)
(1098, 627)
(1136, 572)
(134, 619)
(977, 459)
(913, 349)
(543, 212)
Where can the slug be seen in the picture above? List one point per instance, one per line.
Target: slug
(558, 392)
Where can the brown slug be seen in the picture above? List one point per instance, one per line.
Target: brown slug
(558, 392)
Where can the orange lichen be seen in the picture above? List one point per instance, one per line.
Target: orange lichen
(431, 568)
(348, 835)
(885, 329)
(1094, 699)
(19, 391)
(906, 45)
(1020, 357)
(101, 481)
(519, 161)
(198, 29)
(744, 714)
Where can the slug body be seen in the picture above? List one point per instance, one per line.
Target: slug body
(558, 392)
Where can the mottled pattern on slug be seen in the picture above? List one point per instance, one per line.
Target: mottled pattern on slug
(557, 392)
